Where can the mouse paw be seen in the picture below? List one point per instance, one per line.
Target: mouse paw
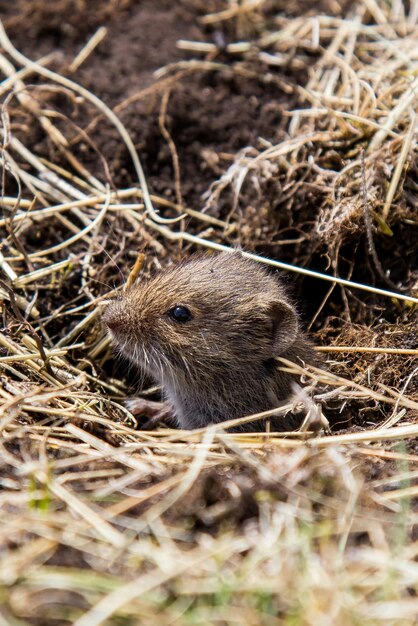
(315, 420)
(141, 406)
(156, 412)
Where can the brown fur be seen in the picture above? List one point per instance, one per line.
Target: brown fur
(220, 364)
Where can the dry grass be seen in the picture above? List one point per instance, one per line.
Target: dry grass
(103, 523)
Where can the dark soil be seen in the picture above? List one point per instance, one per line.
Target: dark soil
(206, 113)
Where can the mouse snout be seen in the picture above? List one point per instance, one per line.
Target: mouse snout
(112, 317)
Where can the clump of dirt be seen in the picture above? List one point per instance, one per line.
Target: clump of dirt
(62, 24)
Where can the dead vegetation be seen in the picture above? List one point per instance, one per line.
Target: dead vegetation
(105, 523)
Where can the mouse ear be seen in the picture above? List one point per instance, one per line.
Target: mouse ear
(285, 327)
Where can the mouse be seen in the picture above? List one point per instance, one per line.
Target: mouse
(208, 330)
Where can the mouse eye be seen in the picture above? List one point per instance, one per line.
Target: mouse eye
(180, 314)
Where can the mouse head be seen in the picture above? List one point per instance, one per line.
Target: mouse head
(215, 311)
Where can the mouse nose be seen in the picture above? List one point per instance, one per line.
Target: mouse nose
(111, 317)
(112, 323)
